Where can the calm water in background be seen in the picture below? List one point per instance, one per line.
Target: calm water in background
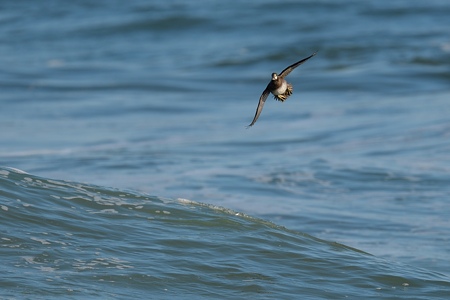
(152, 98)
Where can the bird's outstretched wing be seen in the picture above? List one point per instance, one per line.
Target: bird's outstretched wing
(289, 69)
(261, 102)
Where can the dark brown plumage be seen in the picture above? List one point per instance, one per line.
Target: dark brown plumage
(278, 86)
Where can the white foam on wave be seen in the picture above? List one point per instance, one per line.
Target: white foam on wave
(13, 170)
(42, 241)
(211, 206)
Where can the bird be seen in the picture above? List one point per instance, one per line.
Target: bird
(279, 87)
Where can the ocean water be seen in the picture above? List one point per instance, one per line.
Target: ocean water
(127, 170)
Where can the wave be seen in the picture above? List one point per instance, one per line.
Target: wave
(62, 238)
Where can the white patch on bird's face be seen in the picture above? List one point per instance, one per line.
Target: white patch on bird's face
(274, 76)
(281, 90)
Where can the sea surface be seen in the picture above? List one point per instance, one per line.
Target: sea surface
(127, 170)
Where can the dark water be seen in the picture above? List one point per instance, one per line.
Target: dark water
(63, 239)
(152, 98)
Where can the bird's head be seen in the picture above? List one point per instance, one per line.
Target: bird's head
(274, 76)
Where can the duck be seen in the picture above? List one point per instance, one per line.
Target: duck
(278, 87)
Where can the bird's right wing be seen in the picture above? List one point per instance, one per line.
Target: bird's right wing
(261, 102)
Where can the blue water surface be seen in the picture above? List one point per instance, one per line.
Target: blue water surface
(146, 103)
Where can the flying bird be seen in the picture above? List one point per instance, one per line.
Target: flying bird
(278, 86)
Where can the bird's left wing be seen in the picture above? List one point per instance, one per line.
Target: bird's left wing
(289, 69)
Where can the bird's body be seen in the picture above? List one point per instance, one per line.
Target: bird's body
(281, 90)
(279, 87)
